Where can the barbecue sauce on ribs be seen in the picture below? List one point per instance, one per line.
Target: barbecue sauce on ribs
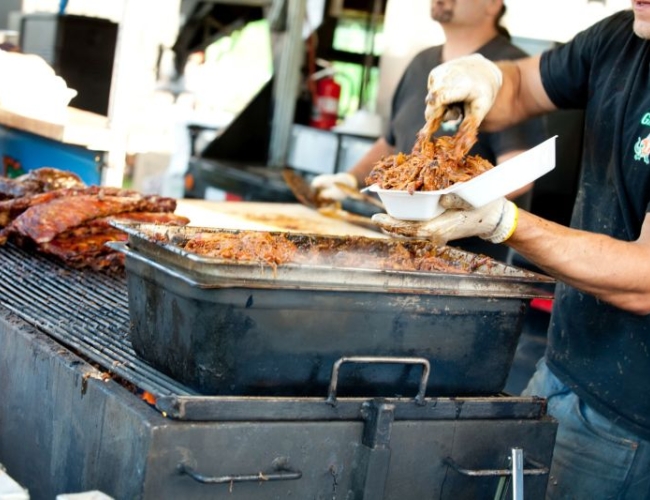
(55, 213)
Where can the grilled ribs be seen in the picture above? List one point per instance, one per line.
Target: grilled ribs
(44, 221)
(60, 216)
(12, 208)
(38, 181)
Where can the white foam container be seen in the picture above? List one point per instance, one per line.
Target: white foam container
(402, 205)
(499, 181)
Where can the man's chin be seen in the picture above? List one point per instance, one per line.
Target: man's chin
(441, 17)
(642, 29)
(440, 13)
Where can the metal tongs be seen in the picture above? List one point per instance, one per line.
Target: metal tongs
(359, 195)
(309, 197)
(450, 113)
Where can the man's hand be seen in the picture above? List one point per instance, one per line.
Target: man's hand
(494, 222)
(326, 189)
(472, 81)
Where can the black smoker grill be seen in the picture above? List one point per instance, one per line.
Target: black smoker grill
(73, 418)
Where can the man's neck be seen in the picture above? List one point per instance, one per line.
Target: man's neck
(464, 41)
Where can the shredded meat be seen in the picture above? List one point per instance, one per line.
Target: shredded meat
(275, 249)
(434, 163)
(255, 247)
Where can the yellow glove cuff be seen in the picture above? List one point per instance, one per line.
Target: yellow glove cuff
(506, 225)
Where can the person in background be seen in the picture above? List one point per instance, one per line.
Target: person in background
(596, 367)
(469, 26)
(9, 47)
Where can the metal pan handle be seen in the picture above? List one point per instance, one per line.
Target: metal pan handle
(426, 369)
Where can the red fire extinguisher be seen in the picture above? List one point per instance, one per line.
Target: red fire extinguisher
(325, 109)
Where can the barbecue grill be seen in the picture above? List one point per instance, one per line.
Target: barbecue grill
(81, 410)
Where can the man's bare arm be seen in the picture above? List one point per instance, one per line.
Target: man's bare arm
(615, 271)
(521, 95)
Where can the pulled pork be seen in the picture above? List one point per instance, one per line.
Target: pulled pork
(352, 252)
(434, 163)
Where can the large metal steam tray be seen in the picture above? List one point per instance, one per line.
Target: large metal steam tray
(351, 263)
(227, 327)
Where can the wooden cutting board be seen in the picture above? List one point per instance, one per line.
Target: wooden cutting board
(263, 216)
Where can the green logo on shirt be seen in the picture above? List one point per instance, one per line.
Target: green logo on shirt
(645, 120)
(642, 149)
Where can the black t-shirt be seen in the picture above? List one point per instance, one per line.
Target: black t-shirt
(600, 351)
(407, 118)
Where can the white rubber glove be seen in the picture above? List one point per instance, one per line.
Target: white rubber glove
(494, 222)
(325, 185)
(471, 80)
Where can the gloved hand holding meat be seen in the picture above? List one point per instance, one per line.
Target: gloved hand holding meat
(438, 162)
(494, 222)
(472, 81)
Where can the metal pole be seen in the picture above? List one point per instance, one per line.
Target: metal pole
(370, 49)
(286, 84)
(517, 468)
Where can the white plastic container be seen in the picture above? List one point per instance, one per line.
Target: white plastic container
(481, 190)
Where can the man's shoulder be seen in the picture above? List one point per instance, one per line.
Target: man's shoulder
(424, 61)
(428, 54)
(501, 48)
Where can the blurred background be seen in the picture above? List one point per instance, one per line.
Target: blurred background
(172, 76)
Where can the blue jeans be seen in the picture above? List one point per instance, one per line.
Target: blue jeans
(593, 458)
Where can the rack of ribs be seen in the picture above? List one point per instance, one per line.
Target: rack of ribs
(59, 216)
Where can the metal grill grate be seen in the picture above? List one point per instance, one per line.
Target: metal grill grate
(84, 310)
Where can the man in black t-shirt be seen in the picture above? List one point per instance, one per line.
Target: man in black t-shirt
(596, 370)
(469, 26)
